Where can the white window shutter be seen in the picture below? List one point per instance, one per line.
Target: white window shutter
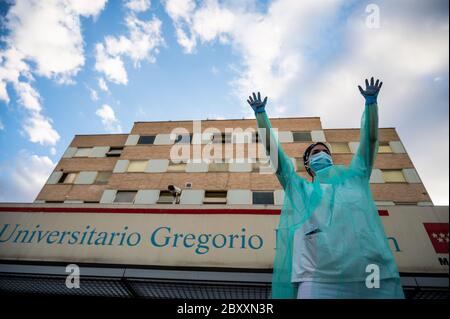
(132, 139)
(108, 196)
(99, 151)
(192, 196)
(121, 166)
(70, 152)
(239, 197)
(54, 177)
(85, 177)
(157, 166)
(147, 196)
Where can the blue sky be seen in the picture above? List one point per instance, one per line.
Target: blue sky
(88, 67)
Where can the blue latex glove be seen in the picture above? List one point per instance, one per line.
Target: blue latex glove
(255, 102)
(371, 91)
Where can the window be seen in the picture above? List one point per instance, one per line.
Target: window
(245, 137)
(218, 167)
(165, 197)
(221, 138)
(258, 166)
(406, 203)
(125, 196)
(146, 139)
(83, 152)
(183, 139)
(114, 152)
(340, 148)
(302, 136)
(176, 167)
(215, 197)
(137, 166)
(67, 178)
(263, 198)
(393, 176)
(300, 165)
(384, 147)
(102, 177)
(255, 137)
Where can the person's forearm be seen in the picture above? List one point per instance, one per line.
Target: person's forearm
(373, 123)
(266, 135)
(369, 134)
(282, 164)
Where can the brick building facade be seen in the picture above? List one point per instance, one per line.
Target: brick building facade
(95, 168)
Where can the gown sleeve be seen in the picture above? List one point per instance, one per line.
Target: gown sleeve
(365, 155)
(281, 162)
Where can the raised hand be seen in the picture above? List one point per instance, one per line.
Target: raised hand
(371, 91)
(255, 102)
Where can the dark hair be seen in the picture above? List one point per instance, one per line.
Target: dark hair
(308, 153)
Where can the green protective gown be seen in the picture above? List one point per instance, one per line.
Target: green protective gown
(334, 220)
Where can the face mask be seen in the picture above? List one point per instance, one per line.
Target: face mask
(320, 161)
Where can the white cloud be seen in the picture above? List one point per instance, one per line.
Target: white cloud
(102, 85)
(40, 130)
(140, 44)
(138, 5)
(406, 52)
(108, 118)
(309, 59)
(93, 94)
(48, 33)
(433, 170)
(12, 66)
(181, 12)
(270, 45)
(28, 96)
(2, 126)
(111, 66)
(3, 92)
(43, 39)
(87, 7)
(22, 179)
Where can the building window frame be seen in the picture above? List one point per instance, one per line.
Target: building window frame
(340, 148)
(183, 138)
(385, 148)
(102, 181)
(176, 167)
(83, 152)
(67, 178)
(263, 198)
(114, 151)
(215, 197)
(221, 138)
(134, 166)
(301, 136)
(165, 197)
(218, 167)
(388, 176)
(125, 194)
(146, 140)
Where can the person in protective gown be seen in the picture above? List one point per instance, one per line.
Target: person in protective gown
(330, 242)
